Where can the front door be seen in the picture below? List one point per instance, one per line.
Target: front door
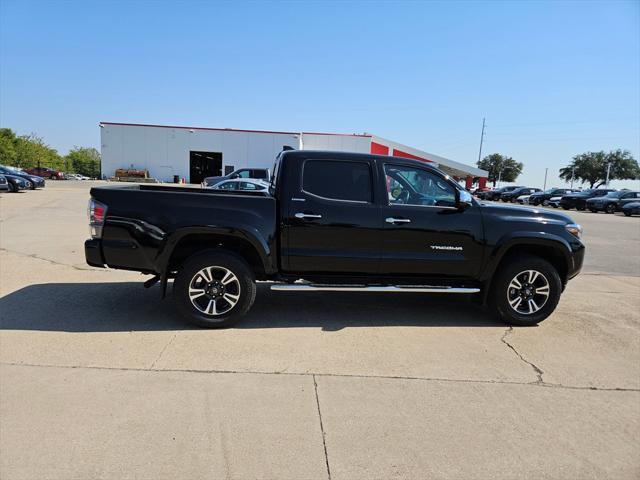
(203, 165)
(424, 233)
(333, 223)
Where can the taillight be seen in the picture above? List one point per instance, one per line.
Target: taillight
(97, 213)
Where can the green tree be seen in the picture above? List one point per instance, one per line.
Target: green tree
(591, 167)
(500, 167)
(31, 151)
(85, 161)
(8, 154)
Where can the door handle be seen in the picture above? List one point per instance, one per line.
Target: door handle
(397, 220)
(307, 215)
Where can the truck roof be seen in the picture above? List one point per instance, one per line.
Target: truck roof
(331, 155)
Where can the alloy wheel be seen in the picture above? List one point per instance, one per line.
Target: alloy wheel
(528, 292)
(214, 290)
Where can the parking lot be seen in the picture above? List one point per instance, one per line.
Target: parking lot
(101, 379)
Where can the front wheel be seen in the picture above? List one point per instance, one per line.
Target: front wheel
(611, 208)
(214, 289)
(526, 291)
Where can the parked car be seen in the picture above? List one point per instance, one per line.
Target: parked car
(512, 195)
(34, 180)
(612, 201)
(46, 173)
(631, 208)
(482, 194)
(75, 176)
(542, 198)
(523, 199)
(4, 184)
(496, 193)
(480, 191)
(16, 183)
(248, 184)
(579, 200)
(321, 224)
(554, 202)
(257, 173)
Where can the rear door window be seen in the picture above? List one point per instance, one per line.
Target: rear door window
(338, 180)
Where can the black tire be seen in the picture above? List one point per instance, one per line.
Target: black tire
(580, 207)
(610, 208)
(500, 294)
(13, 188)
(222, 260)
(627, 213)
(593, 210)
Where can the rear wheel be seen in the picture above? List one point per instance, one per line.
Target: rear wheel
(627, 213)
(526, 290)
(593, 210)
(214, 289)
(610, 208)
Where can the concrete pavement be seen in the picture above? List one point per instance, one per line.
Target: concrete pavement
(99, 379)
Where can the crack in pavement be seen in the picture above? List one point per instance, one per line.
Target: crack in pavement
(333, 375)
(538, 371)
(153, 364)
(324, 438)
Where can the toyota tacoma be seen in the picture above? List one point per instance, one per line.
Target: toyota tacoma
(335, 221)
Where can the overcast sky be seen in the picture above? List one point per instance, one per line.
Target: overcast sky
(553, 79)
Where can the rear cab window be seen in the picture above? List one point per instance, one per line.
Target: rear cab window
(348, 181)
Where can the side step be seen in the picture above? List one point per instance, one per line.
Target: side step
(294, 287)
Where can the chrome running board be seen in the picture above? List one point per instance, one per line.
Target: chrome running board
(298, 287)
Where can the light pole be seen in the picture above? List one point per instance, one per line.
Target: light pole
(608, 169)
(573, 173)
(545, 179)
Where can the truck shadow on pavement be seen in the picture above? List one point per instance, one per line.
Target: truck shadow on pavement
(127, 306)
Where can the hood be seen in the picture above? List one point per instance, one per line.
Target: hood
(19, 178)
(526, 214)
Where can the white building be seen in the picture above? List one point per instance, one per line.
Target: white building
(193, 153)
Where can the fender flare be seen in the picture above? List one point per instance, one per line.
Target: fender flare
(525, 238)
(245, 233)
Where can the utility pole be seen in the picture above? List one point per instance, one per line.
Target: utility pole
(481, 139)
(608, 169)
(546, 170)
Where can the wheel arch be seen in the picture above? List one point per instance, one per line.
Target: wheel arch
(551, 248)
(188, 241)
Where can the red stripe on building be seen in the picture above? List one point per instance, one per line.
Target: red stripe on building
(400, 153)
(378, 149)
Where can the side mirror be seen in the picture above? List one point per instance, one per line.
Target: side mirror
(464, 200)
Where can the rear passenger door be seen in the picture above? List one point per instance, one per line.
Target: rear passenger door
(333, 223)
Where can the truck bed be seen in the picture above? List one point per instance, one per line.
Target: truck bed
(142, 219)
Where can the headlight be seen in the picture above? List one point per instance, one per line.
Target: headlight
(574, 229)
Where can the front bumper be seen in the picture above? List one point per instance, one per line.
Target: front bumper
(93, 253)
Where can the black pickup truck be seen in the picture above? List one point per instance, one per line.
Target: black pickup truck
(335, 221)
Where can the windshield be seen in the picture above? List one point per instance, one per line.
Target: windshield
(615, 194)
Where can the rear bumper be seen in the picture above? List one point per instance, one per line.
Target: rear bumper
(93, 253)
